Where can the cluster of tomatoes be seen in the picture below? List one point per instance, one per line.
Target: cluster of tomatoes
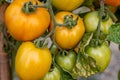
(28, 20)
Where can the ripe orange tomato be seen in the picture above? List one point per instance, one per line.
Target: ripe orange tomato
(113, 2)
(23, 26)
(32, 63)
(65, 37)
(67, 5)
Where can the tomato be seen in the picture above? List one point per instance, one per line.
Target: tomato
(23, 26)
(67, 5)
(52, 75)
(113, 8)
(113, 2)
(66, 37)
(101, 54)
(66, 60)
(32, 63)
(91, 21)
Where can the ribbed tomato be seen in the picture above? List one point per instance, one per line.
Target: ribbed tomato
(23, 26)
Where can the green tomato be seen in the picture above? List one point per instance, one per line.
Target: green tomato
(101, 54)
(106, 25)
(66, 60)
(52, 75)
(91, 22)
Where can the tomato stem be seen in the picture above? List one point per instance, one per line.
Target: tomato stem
(101, 13)
(114, 18)
(57, 44)
(69, 22)
(49, 6)
(2, 35)
(54, 21)
(29, 8)
(54, 24)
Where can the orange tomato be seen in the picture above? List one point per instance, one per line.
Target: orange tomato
(113, 8)
(23, 26)
(65, 37)
(113, 2)
(32, 63)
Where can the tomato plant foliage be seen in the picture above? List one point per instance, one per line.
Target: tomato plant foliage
(114, 35)
(89, 32)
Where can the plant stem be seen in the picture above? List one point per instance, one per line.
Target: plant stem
(2, 35)
(57, 44)
(114, 18)
(54, 24)
(101, 12)
(13, 54)
(49, 6)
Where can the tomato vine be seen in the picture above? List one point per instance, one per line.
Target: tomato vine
(85, 64)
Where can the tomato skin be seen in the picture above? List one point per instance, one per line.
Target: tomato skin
(106, 25)
(52, 75)
(66, 61)
(25, 27)
(65, 37)
(32, 63)
(67, 5)
(113, 2)
(91, 21)
(101, 54)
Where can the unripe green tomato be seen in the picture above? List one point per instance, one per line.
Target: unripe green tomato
(101, 54)
(91, 22)
(52, 75)
(66, 61)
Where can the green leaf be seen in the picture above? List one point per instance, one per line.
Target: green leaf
(114, 33)
(119, 75)
(101, 37)
(85, 65)
(1, 1)
(85, 41)
(66, 76)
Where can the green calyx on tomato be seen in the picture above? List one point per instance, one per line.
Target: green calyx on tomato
(101, 54)
(69, 22)
(28, 7)
(67, 38)
(91, 22)
(66, 60)
(54, 74)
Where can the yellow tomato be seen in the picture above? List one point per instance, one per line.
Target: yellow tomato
(23, 26)
(68, 5)
(32, 63)
(66, 37)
